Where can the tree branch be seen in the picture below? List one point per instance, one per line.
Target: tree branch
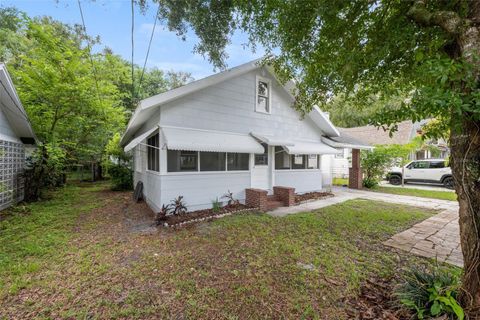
(449, 21)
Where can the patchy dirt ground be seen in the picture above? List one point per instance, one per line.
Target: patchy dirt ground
(115, 264)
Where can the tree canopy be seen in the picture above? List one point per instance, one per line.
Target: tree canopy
(76, 100)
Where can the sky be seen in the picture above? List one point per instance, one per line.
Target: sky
(111, 20)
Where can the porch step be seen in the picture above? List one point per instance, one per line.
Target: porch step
(273, 204)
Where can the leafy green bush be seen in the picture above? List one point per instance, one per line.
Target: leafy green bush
(369, 182)
(122, 177)
(431, 293)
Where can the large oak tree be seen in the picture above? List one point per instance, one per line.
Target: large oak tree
(425, 50)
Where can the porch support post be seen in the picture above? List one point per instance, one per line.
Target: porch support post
(355, 178)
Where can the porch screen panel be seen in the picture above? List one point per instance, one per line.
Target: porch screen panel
(153, 154)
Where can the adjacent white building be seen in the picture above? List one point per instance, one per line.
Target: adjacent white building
(16, 136)
(228, 132)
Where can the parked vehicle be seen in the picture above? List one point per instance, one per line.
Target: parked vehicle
(423, 171)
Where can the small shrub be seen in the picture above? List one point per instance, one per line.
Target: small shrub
(178, 205)
(231, 200)
(216, 205)
(122, 177)
(431, 293)
(370, 183)
(164, 212)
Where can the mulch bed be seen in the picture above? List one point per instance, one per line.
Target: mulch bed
(376, 301)
(299, 198)
(204, 214)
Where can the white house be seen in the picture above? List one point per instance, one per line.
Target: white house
(231, 131)
(16, 135)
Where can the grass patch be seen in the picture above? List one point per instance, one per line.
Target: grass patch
(30, 234)
(340, 181)
(442, 195)
(243, 266)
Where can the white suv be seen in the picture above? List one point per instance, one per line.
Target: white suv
(423, 171)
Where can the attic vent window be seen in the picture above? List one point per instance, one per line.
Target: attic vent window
(263, 98)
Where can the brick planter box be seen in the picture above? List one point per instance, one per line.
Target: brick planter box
(256, 198)
(285, 194)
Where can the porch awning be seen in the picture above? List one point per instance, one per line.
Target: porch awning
(310, 148)
(139, 139)
(207, 140)
(272, 141)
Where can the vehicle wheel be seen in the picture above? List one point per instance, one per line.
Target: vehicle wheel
(448, 183)
(396, 180)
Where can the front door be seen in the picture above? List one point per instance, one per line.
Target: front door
(261, 169)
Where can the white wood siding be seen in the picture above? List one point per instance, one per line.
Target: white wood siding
(200, 189)
(230, 106)
(302, 180)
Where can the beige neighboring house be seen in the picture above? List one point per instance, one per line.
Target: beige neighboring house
(407, 131)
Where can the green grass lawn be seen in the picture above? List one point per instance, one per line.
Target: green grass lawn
(91, 253)
(442, 195)
(340, 181)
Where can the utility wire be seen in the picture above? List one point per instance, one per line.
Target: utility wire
(90, 52)
(149, 45)
(133, 48)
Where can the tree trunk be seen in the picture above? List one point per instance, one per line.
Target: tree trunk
(465, 163)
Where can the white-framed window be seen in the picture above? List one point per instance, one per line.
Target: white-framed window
(263, 95)
(153, 154)
(195, 161)
(285, 161)
(261, 159)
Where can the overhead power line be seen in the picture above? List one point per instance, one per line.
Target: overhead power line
(90, 52)
(149, 45)
(133, 48)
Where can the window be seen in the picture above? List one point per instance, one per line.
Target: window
(237, 161)
(418, 165)
(437, 164)
(261, 159)
(193, 161)
(285, 161)
(340, 155)
(153, 153)
(263, 95)
(212, 161)
(178, 161)
(312, 162)
(298, 161)
(282, 159)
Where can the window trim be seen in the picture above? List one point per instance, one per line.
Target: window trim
(155, 148)
(269, 97)
(226, 171)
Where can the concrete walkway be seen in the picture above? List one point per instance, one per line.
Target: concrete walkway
(437, 236)
(430, 187)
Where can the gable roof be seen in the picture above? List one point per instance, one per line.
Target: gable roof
(407, 130)
(12, 107)
(147, 107)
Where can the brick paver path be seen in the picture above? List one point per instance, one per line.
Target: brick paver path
(437, 236)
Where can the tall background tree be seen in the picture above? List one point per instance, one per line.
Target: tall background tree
(77, 100)
(425, 50)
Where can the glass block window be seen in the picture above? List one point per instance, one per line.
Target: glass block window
(12, 164)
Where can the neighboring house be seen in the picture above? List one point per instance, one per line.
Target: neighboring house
(407, 131)
(16, 135)
(231, 131)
